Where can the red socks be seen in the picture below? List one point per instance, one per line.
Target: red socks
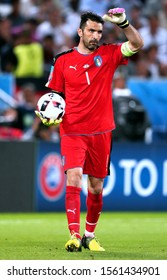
(94, 206)
(72, 205)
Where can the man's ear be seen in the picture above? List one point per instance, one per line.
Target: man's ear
(80, 32)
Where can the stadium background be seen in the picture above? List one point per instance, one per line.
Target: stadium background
(31, 175)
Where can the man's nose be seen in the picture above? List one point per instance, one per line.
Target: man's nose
(95, 35)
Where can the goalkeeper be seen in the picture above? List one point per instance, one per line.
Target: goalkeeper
(83, 75)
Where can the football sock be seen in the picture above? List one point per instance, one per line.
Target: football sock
(90, 234)
(72, 204)
(94, 206)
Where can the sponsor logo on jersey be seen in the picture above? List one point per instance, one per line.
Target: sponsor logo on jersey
(73, 67)
(51, 177)
(98, 60)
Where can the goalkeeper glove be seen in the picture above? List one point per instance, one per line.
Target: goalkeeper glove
(117, 16)
(48, 122)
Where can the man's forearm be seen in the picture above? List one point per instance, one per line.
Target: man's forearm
(135, 40)
(118, 16)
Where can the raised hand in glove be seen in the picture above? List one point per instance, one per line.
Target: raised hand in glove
(46, 121)
(117, 16)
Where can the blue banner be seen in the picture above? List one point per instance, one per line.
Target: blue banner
(7, 84)
(138, 180)
(50, 178)
(153, 95)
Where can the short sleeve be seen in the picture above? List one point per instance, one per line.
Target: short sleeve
(56, 77)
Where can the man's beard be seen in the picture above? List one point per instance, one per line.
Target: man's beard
(91, 46)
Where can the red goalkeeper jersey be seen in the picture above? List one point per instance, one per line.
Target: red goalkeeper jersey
(86, 81)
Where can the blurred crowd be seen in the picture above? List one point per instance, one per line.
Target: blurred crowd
(32, 32)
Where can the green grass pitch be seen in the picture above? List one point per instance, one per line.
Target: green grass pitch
(125, 236)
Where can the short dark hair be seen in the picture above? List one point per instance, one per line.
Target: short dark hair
(92, 16)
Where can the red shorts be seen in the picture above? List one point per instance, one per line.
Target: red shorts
(91, 153)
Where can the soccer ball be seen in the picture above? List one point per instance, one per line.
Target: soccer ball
(51, 106)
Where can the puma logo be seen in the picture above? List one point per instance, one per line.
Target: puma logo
(73, 67)
(72, 210)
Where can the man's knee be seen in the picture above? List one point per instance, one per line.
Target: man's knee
(74, 177)
(95, 185)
